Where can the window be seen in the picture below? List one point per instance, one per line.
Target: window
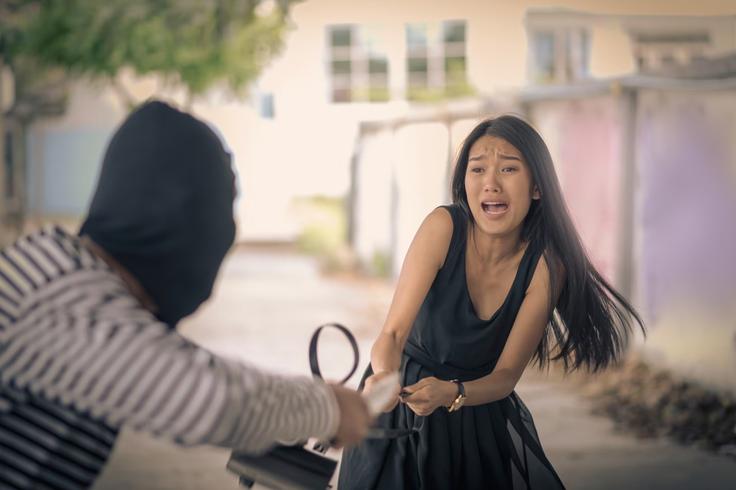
(559, 55)
(662, 50)
(358, 66)
(543, 52)
(417, 49)
(577, 54)
(455, 64)
(436, 62)
(266, 107)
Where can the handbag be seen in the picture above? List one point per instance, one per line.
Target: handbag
(284, 467)
(297, 467)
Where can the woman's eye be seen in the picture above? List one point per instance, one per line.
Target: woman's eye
(508, 170)
(476, 170)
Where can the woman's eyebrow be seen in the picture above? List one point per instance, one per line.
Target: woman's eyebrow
(500, 155)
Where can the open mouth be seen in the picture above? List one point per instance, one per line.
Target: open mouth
(494, 207)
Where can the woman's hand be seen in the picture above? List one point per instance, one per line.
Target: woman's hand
(427, 394)
(370, 381)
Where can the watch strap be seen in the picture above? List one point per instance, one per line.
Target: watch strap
(457, 402)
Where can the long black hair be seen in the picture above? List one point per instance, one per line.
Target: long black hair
(590, 322)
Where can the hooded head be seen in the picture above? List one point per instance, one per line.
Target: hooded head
(163, 207)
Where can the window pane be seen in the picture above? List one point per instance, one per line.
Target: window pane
(416, 35)
(455, 67)
(341, 36)
(341, 67)
(416, 52)
(378, 81)
(358, 66)
(543, 44)
(585, 62)
(454, 31)
(377, 65)
(341, 95)
(417, 65)
(577, 54)
(341, 81)
(454, 70)
(371, 39)
(418, 80)
(266, 106)
(378, 93)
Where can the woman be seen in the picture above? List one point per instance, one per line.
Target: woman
(476, 295)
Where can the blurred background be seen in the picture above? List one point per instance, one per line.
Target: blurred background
(344, 118)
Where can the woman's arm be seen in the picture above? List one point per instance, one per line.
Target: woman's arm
(430, 393)
(521, 344)
(424, 258)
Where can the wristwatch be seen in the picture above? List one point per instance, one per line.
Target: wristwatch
(459, 401)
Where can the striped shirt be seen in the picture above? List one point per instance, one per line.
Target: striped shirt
(80, 357)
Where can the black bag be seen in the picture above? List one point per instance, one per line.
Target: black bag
(296, 467)
(293, 467)
(284, 467)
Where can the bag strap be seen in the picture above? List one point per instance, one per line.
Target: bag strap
(314, 363)
(375, 432)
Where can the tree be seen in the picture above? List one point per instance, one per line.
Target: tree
(193, 43)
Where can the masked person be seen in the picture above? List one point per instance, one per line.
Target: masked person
(87, 323)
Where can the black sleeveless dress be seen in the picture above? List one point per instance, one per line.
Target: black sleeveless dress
(491, 446)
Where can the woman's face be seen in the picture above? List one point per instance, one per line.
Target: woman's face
(499, 187)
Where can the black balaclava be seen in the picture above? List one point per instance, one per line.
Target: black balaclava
(163, 207)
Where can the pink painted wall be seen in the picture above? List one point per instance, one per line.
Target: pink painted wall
(585, 140)
(683, 252)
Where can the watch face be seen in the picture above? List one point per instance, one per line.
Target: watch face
(461, 402)
(457, 403)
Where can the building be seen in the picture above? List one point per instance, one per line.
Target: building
(369, 101)
(630, 149)
(344, 63)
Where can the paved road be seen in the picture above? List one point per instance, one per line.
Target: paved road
(264, 310)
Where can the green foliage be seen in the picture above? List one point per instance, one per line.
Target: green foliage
(381, 264)
(370, 94)
(324, 224)
(324, 232)
(456, 84)
(440, 94)
(196, 42)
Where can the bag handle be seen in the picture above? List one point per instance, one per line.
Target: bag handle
(373, 433)
(314, 363)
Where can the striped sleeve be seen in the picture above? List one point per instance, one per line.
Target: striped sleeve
(152, 379)
(81, 341)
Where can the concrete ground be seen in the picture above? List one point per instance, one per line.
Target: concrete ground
(264, 310)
